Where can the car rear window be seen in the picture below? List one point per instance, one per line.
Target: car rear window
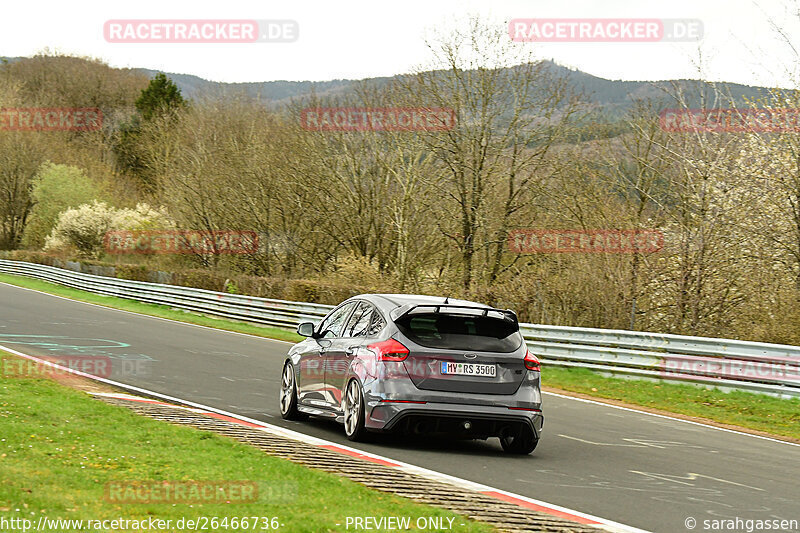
(461, 332)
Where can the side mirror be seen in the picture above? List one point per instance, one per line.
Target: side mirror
(306, 329)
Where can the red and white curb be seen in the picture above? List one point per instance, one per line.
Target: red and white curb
(509, 497)
(522, 501)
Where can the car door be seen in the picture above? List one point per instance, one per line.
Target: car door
(311, 382)
(343, 350)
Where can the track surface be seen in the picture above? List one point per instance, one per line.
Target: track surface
(641, 470)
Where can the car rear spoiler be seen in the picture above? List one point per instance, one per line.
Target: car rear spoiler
(400, 312)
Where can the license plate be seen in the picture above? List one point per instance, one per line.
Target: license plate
(468, 369)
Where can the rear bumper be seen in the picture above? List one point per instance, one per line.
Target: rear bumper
(449, 418)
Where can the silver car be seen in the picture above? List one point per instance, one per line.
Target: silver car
(417, 364)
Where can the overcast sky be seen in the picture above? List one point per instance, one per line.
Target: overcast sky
(356, 39)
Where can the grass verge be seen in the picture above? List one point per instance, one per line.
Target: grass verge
(163, 311)
(749, 411)
(757, 412)
(59, 448)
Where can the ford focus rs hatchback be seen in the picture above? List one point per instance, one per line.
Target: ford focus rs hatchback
(420, 365)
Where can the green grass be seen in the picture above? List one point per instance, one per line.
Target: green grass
(59, 448)
(753, 411)
(162, 311)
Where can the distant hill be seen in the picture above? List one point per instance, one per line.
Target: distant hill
(612, 97)
(609, 97)
(269, 91)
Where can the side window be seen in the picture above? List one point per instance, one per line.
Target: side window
(359, 323)
(376, 325)
(332, 326)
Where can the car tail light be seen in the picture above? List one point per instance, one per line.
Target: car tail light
(531, 362)
(389, 350)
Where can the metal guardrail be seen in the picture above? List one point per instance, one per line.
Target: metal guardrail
(723, 363)
(266, 311)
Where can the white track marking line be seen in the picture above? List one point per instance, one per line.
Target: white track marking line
(556, 510)
(632, 410)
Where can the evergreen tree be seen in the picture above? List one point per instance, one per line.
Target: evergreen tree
(160, 96)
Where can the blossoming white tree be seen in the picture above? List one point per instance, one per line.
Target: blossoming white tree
(85, 226)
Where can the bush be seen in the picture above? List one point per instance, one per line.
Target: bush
(200, 279)
(56, 188)
(83, 228)
(302, 290)
(132, 272)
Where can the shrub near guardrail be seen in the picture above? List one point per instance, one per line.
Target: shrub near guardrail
(264, 287)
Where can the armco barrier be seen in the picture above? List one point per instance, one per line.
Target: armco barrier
(724, 363)
(247, 308)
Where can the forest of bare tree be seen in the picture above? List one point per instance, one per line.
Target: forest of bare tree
(426, 211)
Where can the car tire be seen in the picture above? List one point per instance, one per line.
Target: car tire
(353, 407)
(521, 441)
(288, 397)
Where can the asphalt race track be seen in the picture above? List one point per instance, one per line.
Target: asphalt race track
(637, 469)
